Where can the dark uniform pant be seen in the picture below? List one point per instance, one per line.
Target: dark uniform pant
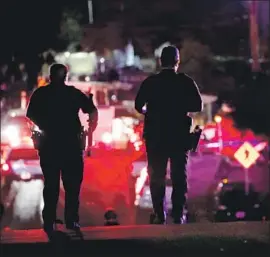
(70, 169)
(157, 169)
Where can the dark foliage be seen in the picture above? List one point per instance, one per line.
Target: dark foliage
(252, 106)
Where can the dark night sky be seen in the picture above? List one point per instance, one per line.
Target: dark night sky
(27, 27)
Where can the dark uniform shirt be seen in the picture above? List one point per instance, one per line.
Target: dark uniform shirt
(168, 98)
(54, 109)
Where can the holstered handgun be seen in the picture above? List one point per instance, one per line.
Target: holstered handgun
(90, 129)
(195, 138)
(83, 135)
(37, 137)
(90, 139)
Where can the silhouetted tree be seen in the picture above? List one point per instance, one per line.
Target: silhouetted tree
(196, 61)
(252, 106)
(70, 27)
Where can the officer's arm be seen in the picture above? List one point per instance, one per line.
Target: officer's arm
(87, 106)
(141, 98)
(32, 112)
(194, 103)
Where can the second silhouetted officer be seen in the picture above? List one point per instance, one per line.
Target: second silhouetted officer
(54, 109)
(166, 99)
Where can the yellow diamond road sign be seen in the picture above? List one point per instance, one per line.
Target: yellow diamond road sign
(246, 155)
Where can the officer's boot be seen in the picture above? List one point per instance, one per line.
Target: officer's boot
(49, 227)
(73, 226)
(158, 219)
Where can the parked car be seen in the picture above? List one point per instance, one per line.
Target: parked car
(20, 164)
(232, 202)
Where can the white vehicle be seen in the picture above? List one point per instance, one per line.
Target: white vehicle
(23, 185)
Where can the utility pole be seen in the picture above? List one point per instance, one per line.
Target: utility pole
(269, 39)
(254, 35)
(90, 12)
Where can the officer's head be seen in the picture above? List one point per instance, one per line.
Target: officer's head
(58, 73)
(170, 57)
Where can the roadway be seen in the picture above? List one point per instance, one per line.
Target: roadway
(22, 222)
(25, 204)
(230, 239)
(107, 184)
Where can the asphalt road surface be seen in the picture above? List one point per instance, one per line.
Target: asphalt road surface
(24, 204)
(103, 187)
(230, 239)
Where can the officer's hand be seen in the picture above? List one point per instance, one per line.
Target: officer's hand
(93, 120)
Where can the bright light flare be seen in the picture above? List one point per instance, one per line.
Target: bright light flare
(5, 167)
(225, 181)
(261, 146)
(14, 142)
(13, 135)
(128, 121)
(107, 138)
(117, 129)
(13, 114)
(25, 175)
(11, 132)
(134, 138)
(218, 119)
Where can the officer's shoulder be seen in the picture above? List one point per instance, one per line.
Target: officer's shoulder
(73, 89)
(185, 77)
(78, 92)
(150, 78)
(40, 90)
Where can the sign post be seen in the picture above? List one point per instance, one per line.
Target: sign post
(246, 155)
(247, 181)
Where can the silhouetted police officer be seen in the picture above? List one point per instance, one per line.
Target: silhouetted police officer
(54, 109)
(166, 99)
